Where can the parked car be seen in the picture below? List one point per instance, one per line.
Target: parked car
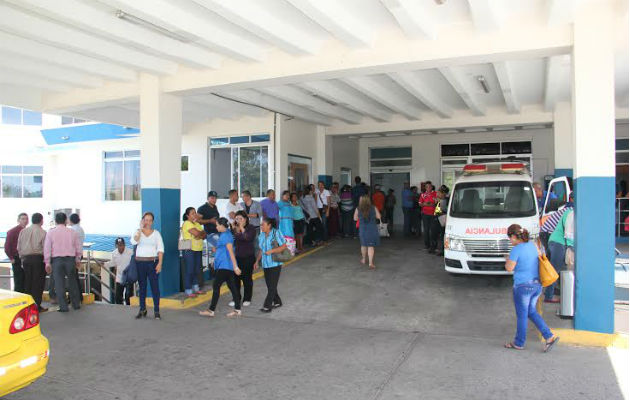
(24, 351)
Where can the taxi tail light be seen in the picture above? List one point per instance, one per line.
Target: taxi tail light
(25, 319)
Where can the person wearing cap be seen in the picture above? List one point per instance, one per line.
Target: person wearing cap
(209, 216)
(439, 222)
(121, 257)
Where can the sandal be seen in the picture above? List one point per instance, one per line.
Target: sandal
(207, 313)
(372, 266)
(549, 345)
(512, 346)
(234, 314)
(362, 260)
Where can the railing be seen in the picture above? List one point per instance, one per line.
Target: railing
(621, 213)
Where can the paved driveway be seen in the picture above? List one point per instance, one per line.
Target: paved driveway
(405, 331)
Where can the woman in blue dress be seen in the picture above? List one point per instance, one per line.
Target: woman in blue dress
(285, 224)
(366, 214)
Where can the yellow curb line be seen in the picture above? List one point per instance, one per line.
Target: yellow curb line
(183, 304)
(88, 298)
(585, 338)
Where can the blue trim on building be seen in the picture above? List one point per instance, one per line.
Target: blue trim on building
(87, 133)
(563, 172)
(595, 254)
(165, 205)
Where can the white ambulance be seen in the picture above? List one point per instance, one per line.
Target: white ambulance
(485, 200)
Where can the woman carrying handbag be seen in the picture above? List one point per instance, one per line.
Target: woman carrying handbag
(270, 243)
(524, 261)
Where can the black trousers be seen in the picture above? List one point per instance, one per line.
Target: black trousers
(389, 218)
(34, 276)
(427, 220)
(18, 275)
(315, 230)
(437, 235)
(272, 276)
(229, 277)
(347, 223)
(246, 264)
(127, 290)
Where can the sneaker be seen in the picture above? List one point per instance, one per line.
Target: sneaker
(246, 303)
(191, 296)
(554, 300)
(231, 304)
(276, 305)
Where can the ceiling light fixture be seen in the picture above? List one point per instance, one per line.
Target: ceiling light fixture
(484, 84)
(120, 14)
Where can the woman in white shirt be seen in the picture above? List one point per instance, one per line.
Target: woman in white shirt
(149, 254)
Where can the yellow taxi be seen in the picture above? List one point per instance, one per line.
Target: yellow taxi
(24, 350)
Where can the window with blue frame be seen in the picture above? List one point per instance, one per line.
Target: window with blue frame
(121, 173)
(19, 181)
(18, 116)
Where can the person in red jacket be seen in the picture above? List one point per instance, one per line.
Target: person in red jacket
(378, 199)
(427, 203)
(10, 248)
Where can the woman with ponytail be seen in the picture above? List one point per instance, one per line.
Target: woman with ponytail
(523, 261)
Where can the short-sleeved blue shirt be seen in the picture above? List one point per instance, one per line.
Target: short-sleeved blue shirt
(526, 257)
(265, 243)
(222, 258)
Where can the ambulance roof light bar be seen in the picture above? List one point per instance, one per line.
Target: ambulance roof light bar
(496, 168)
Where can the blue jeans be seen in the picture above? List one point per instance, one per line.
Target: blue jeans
(557, 252)
(193, 265)
(525, 297)
(146, 271)
(324, 224)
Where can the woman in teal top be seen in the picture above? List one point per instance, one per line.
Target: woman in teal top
(285, 224)
(269, 235)
(558, 245)
(299, 222)
(225, 270)
(523, 261)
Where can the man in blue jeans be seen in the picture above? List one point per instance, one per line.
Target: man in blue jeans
(407, 205)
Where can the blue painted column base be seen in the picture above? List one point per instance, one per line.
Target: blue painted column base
(165, 205)
(595, 254)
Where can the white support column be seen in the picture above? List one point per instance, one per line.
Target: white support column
(160, 152)
(563, 141)
(594, 125)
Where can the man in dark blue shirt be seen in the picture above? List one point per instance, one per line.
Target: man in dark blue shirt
(357, 191)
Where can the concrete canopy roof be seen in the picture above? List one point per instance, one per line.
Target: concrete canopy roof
(334, 63)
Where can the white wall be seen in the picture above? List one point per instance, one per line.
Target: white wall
(297, 138)
(345, 155)
(426, 150)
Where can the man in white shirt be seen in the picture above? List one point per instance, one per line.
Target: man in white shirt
(232, 206)
(121, 257)
(322, 196)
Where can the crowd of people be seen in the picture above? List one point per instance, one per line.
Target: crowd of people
(249, 235)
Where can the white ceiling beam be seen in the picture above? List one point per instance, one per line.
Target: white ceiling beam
(411, 82)
(79, 13)
(172, 16)
(63, 36)
(227, 106)
(506, 82)
(476, 106)
(111, 115)
(44, 70)
(483, 15)
(334, 91)
(384, 95)
(553, 80)
(64, 58)
(300, 97)
(414, 17)
(277, 105)
(25, 79)
(256, 17)
(336, 18)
